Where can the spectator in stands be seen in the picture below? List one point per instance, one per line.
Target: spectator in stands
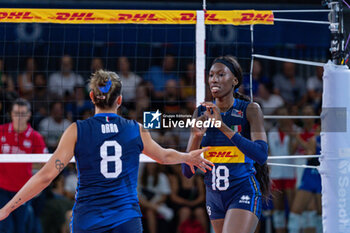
(87, 113)
(63, 82)
(96, 64)
(143, 100)
(153, 191)
(70, 181)
(40, 100)
(258, 78)
(307, 201)
(284, 178)
(172, 97)
(75, 108)
(269, 102)
(170, 138)
(6, 82)
(188, 200)
(314, 87)
(292, 88)
(129, 79)
(188, 82)
(17, 137)
(53, 126)
(26, 79)
(7, 93)
(57, 205)
(158, 76)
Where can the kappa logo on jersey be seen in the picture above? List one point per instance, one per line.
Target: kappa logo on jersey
(245, 199)
(237, 113)
(151, 120)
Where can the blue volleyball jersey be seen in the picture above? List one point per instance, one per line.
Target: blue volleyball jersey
(231, 165)
(107, 157)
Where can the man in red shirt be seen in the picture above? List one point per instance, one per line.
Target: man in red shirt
(17, 137)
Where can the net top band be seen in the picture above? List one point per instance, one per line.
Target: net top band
(91, 16)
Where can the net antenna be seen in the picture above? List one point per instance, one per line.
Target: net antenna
(336, 20)
(200, 55)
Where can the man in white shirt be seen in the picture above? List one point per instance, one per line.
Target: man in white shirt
(291, 87)
(270, 102)
(53, 126)
(129, 79)
(314, 86)
(62, 83)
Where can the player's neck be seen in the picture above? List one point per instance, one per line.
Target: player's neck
(224, 103)
(98, 110)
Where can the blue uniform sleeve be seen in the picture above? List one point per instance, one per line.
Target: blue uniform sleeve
(186, 170)
(256, 150)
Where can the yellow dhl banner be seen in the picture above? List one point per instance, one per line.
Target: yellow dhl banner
(70, 16)
(224, 154)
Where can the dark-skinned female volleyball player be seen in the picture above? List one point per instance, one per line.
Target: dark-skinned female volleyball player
(239, 181)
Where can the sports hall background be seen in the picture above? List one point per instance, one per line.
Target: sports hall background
(171, 49)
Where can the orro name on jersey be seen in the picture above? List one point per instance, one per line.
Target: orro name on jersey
(109, 128)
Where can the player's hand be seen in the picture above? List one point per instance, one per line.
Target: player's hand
(194, 158)
(200, 131)
(3, 214)
(213, 111)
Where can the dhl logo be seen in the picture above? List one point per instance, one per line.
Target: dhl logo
(63, 16)
(138, 17)
(221, 154)
(16, 15)
(224, 154)
(193, 17)
(256, 17)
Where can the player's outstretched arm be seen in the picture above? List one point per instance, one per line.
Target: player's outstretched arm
(170, 156)
(44, 177)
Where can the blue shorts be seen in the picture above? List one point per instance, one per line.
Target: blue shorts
(244, 195)
(133, 225)
(311, 181)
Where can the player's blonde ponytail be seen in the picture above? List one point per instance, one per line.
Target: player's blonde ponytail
(106, 87)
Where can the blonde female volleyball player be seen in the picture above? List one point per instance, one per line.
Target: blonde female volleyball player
(240, 176)
(106, 149)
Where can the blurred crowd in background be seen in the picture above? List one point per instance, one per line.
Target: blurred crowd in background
(166, 197)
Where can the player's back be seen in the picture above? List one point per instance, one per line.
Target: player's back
(107, 155)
